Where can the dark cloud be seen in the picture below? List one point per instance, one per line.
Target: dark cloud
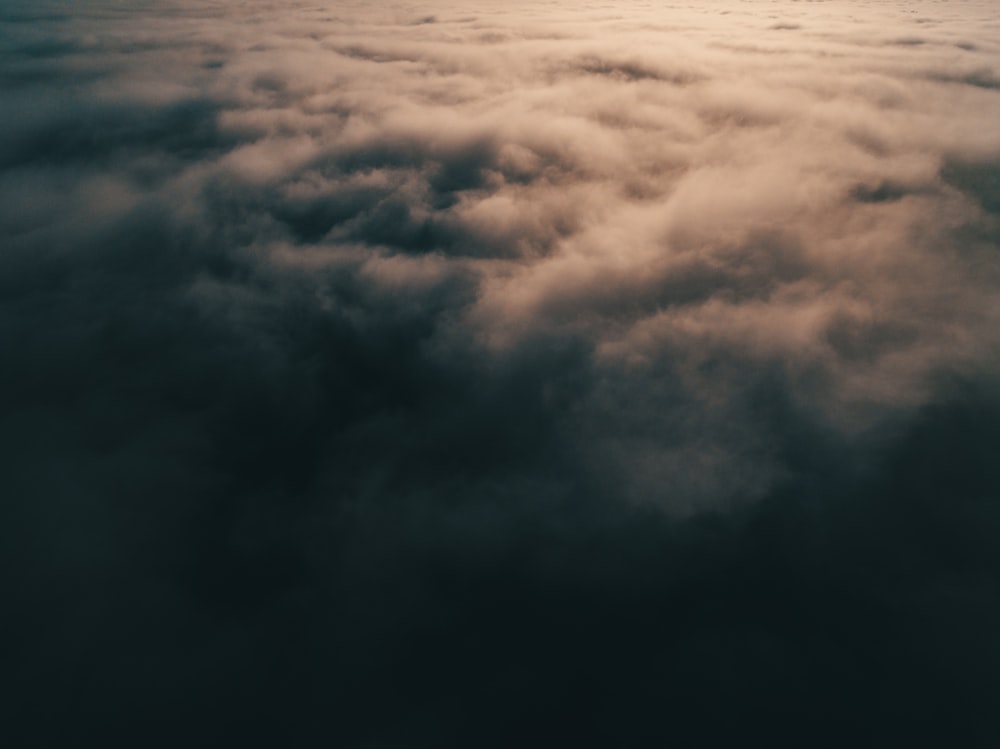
(430, 377)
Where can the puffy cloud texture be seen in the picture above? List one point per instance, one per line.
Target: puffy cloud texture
(494, 373)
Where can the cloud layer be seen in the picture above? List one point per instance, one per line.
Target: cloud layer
(452, 375)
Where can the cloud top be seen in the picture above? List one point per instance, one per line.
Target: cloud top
(391, 325)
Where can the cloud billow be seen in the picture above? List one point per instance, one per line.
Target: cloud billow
(452, 376)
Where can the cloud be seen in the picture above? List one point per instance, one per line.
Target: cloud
(444, 376)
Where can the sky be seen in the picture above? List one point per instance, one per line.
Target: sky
(491, 374)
